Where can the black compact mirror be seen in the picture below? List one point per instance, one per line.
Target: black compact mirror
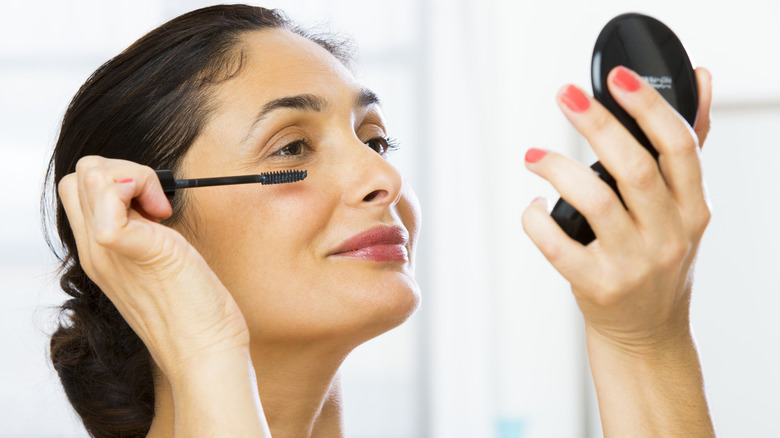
(651, 49)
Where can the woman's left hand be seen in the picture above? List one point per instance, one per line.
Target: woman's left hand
(633, 283)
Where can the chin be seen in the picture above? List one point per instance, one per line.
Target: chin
(391, 307)
(346, 316)
(367, 312)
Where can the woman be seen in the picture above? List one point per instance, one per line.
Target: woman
(185, 315)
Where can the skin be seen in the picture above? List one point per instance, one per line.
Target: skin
(633, 284)
(302, 323)
(252, 294)
(297, 310)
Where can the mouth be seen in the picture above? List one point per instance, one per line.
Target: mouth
(378, 244)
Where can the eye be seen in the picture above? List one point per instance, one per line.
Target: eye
(383, 145)
(293, 149)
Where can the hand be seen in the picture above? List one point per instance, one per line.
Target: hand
(633, 283)
(158, 281)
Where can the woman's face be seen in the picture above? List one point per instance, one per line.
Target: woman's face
(330, 257)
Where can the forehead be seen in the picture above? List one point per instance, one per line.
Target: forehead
(280, 63)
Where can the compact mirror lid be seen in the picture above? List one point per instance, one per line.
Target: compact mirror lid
(651, 49)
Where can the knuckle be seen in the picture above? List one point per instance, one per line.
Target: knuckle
(685, 144)
(88, 162)
(104, 236)
(653, 102)
(66, 185)
(643, 172)
(553, 250)
(601, 122)
(599, 202)
(93, 177)
(701, 219)
(672, 254)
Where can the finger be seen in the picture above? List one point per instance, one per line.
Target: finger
(568, 256)
(122, 229)
(96, 173)
(702, 126)
(69, 196)
(148, 199)
(636, 172)
(586, 192)
(83, 166)
(111, 210)
(669, 133)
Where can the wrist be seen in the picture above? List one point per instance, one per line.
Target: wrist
(649, 388)
(217, 395)
(181, 370)
(644, 363)
(184, 338)
(645, 340)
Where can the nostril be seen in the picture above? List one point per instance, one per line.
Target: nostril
(373, 195)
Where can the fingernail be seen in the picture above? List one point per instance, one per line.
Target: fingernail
(575, 99)
(625, 80)
(540, 200)
(533, 155)
(126, 180)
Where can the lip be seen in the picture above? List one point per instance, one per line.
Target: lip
(379, 244)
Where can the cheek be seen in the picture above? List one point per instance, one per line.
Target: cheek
(252, 236)
(266, 245)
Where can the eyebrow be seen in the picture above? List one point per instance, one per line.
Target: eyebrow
(311, 102)
(366, 98)
(301, 102)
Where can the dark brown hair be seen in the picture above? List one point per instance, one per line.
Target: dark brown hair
(148, 104)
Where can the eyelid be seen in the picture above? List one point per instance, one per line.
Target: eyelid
(283, 136)
(300, 140)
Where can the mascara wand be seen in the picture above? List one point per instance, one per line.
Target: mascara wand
(170, 184)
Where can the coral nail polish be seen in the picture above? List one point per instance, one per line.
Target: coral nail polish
(625, 80)
(575, 99)
(533, 155)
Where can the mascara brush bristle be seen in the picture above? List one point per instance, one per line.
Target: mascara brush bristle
(284, 176)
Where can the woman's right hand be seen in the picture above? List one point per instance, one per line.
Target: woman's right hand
(157, 280)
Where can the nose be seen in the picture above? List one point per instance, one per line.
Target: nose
(373, 182)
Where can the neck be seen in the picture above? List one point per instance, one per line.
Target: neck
(299, 389)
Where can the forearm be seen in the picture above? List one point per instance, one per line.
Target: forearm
(217, 397)
(658, 392)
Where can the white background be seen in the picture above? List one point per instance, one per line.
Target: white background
(496, 349)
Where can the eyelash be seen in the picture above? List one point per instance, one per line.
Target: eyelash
(388, 144)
